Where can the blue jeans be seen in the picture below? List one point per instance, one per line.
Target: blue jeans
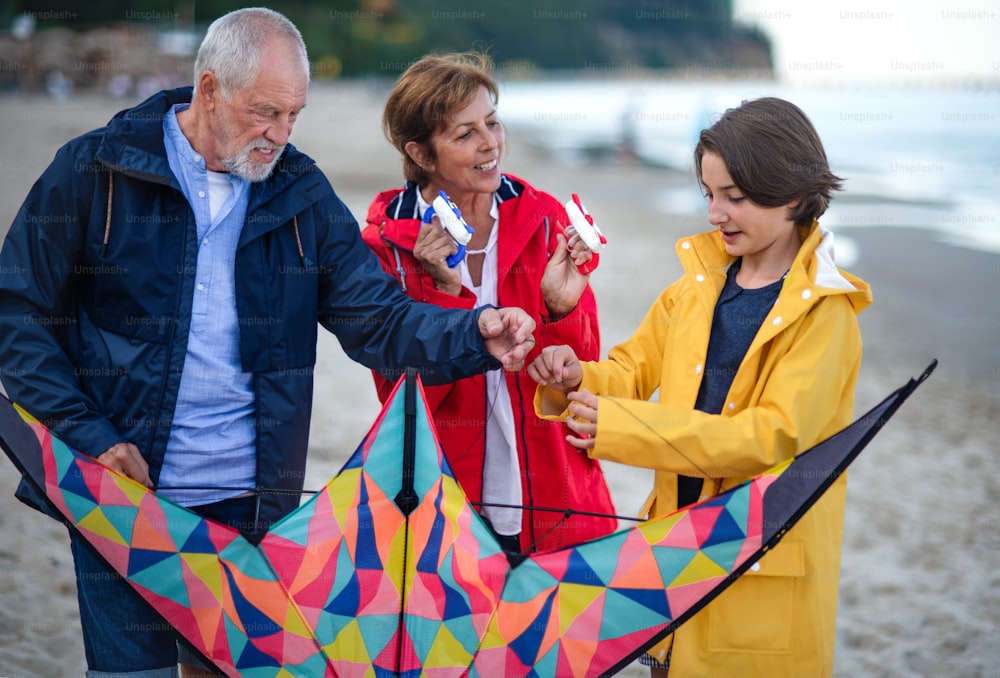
(121, 635)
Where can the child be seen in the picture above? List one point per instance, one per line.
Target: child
(755, 352)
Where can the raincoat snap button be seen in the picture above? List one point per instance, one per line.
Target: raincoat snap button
(700, 278)
(777, 321)
(697, 369)
(755, 567)
(686, 245)
(732, 406)
(806, 294)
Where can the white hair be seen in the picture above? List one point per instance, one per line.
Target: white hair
(232, 46)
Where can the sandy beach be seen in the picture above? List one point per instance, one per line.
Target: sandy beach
(920, 581)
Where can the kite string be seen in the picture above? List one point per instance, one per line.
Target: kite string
(568, 512)
(490, 408)
(660, 436)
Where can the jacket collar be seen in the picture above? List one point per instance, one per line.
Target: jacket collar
(814, 267)
(133, 144)
(133, 139)
(396, 210)
(811, 277)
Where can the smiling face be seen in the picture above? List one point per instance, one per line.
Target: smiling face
(763, 236)
(463, 157)
(250, 130)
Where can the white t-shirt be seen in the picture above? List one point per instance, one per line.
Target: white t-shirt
(219, 190)
(501, 467)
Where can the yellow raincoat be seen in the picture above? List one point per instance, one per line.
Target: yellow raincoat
(794, 388)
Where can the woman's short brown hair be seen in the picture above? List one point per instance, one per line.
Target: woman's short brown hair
(427, 94)
(774, 156)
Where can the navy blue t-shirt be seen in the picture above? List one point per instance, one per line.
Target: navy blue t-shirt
(739, 313)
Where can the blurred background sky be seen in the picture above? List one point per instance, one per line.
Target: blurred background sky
(888, 40)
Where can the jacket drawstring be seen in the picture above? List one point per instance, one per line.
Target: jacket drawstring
(107, 222)
(298, 240)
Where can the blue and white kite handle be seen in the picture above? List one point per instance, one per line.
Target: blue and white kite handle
(453, 223)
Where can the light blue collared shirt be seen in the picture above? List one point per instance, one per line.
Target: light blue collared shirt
(213, 435)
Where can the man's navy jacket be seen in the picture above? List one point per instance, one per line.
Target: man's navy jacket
(95, 310)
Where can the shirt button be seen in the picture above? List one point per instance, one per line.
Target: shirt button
(201, 288)
(205, 241)
(700, 278)
(201, 194)
(197, 158)
(806, 294)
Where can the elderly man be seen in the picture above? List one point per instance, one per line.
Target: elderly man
(161, 290)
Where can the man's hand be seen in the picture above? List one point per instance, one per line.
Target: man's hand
(507, 335)
(557, 367)
(125, 458)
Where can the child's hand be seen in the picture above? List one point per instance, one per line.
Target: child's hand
(583, 422)
(558, 368)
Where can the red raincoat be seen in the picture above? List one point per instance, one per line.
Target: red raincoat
(554, 475)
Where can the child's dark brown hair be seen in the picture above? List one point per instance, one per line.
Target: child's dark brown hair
(774, 156)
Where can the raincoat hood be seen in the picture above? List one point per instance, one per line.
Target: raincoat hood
(814, 266)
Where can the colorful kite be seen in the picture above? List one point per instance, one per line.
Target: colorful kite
(388, 570)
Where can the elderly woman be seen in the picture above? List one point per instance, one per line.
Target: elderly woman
(519, 470)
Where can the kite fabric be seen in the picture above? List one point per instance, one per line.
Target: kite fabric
(389, 571)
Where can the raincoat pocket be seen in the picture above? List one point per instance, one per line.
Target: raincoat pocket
(757, 613)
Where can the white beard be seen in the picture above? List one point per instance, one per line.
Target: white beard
(242, 166)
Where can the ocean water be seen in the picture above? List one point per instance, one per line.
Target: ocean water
(911, 155)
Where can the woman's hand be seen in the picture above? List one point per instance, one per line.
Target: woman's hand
(578, 250)
(562, 283)
(432, 249)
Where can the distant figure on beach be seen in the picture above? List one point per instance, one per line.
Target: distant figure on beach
(628, 143)
(160, 291)
(442, 117)
(755, 352)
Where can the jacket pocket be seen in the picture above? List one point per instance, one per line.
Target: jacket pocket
(757, 613)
